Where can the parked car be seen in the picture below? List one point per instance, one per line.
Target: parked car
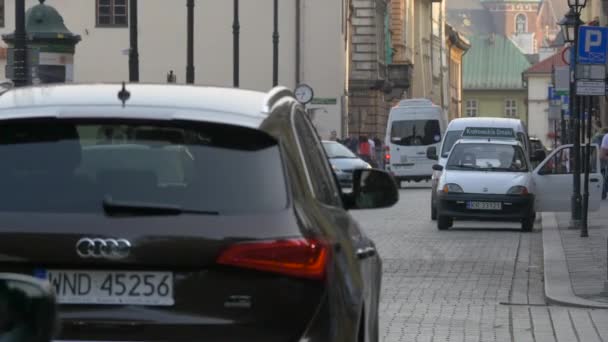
(206, 213)
(344, 162)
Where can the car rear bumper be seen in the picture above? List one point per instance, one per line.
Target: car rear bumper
(514, 208)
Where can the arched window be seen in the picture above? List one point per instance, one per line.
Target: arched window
(521, 23)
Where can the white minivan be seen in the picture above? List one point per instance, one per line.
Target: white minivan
(413, 126)
(454, 132)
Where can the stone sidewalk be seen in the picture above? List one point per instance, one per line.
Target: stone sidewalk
(575, 267)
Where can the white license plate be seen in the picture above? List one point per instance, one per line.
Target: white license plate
(484, 205)
(111, 287)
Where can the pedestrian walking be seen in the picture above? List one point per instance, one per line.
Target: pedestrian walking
(365, 151)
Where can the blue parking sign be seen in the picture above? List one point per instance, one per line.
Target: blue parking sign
(592, 45)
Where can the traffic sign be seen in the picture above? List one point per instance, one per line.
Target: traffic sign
(566, 55)
(488, 132)
(590, 88)
(592, 45)
(562, 80)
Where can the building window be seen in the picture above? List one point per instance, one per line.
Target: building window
(510, 108)
(521, 23)
(471, 108)
(112, 13)
(1, 13)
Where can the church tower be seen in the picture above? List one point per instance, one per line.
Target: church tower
(516, 19)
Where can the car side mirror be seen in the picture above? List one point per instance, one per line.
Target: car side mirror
(27, 309)
(437, 167)
(372, 189)
(539, 156)
(431, 153)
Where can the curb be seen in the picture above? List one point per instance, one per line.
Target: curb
(558, 286)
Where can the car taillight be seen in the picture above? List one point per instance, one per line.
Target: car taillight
(302, 258)
(387, 154)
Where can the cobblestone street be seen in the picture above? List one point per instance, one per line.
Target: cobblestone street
(474, 282)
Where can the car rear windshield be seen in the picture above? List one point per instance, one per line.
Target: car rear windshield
(415, 132)
(76, 166)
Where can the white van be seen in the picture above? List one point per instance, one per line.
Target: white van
(413, 126)
(454, 132)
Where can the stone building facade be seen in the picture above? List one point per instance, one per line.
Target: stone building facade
(368, 85)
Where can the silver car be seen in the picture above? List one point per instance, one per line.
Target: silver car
(344, 162)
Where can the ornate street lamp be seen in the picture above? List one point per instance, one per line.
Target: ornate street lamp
(577, 5)
(569, 24)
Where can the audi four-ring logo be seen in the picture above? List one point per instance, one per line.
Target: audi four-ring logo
(103, 248)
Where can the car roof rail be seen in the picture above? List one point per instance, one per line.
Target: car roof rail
(6, 85)
(274, 95)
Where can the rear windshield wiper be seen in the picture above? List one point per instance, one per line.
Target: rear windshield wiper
(116, 208)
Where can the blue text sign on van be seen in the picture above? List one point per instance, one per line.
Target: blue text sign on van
(592, 45)
(488, 132)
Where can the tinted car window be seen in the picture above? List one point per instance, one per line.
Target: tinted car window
(415, 132)
(75, 166)
(323, 183)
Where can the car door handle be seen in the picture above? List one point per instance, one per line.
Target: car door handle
(363, 253)
(594, 180)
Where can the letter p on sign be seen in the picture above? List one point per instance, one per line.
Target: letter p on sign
(593, 38)
(592, 45)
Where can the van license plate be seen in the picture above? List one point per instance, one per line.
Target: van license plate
(484, 205)
(111, 287)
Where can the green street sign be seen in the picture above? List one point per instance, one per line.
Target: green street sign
(324, 101)
(488, 132)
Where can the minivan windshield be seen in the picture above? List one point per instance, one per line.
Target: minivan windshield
(178, 167)
(487, 157)
(415, 132)
(451, 137)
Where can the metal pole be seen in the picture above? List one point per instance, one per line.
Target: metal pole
(190, 48)
(564, 134)
(20, 77)
(555, 134)
(584, 228)
(575, 114)
(236, 30)
(275, 46)
(134, 50)
(298, 42)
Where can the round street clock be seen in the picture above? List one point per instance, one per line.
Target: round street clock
(304, 93)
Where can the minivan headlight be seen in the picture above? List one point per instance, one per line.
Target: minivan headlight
(452, 187)
(518, 190)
